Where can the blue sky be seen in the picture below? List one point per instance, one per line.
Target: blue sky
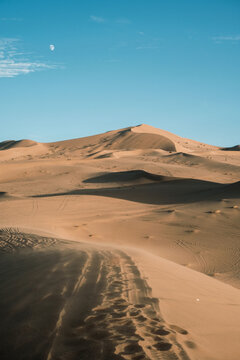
(171, 64)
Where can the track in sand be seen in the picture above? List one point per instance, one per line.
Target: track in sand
(78, 301)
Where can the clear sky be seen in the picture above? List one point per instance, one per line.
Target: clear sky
(173, 64)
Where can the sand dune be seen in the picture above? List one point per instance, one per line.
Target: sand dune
(232, 148)
(123, 245)
(92, 302)
(181, 144)
(121, 139)
(9, 144)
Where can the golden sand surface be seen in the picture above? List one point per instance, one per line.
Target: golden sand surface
(123, 245)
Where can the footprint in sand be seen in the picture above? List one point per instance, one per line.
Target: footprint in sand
(190, 344)
(141, 318)
(132, 348)
(160, 331)
(134, 312)
(163, 346)
(178, 329)
(139, 306)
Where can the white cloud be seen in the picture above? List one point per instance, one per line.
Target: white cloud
(97, 19)
(226, 38)
(14, 62)
(11, 68)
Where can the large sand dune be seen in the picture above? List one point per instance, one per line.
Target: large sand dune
(123, 245)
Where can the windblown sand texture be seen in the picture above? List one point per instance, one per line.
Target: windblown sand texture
(123, 245)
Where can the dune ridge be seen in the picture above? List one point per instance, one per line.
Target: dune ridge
(120, 139)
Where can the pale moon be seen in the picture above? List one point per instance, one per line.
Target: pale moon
(52, 47)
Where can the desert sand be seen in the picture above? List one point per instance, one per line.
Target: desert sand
(123, 245)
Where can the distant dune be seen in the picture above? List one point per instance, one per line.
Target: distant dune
(232, 148)
(9, 144)
(125, 139)
(122, 245)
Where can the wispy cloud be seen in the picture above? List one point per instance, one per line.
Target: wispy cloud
(233, 38)
(97, 19)
(14, 62)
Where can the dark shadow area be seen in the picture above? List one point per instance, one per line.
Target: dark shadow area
(30, 301)
(233, 189)
(35, 287)
(126, 176)
(164, 193)
(4, 196)
(71, 302)
(4, 145)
